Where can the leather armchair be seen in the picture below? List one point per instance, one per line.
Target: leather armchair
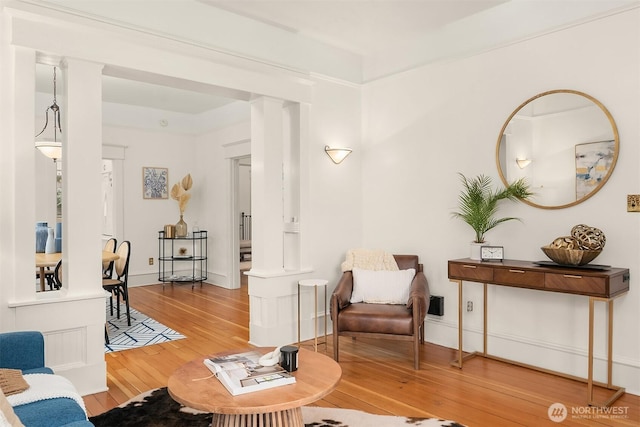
(385, 321)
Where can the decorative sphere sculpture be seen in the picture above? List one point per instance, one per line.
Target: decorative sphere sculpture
(583, 245)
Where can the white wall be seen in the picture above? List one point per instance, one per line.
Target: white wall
(425, 125)
(335, 191)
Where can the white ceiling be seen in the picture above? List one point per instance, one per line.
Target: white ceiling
(363, 27)
(386, 35)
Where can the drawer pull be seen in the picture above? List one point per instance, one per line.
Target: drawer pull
(517, 271)
(572, 276)
(468, 266)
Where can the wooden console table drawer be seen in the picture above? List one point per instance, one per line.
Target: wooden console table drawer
(518, 277)
(576, 283)
(471, 271)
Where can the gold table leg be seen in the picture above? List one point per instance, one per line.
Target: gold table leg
(485, 305)
(324, 313)
(459, 323)
(298, 314)
(619, 391)
(315, 319)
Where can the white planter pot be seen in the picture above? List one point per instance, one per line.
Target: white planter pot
(475, 250)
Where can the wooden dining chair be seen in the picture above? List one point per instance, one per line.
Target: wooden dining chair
(48, 277)
(118, 286)
(107, 266)
(57, 275)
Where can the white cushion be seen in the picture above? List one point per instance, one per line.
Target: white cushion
(382, 287)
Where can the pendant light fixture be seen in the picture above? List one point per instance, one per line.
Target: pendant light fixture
(51, 149)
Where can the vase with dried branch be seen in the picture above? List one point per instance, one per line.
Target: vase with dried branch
(179, 192)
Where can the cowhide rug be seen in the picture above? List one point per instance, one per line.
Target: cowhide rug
(156, 408)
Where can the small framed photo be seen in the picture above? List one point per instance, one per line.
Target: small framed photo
(155, 183)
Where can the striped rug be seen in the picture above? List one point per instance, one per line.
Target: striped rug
(143, 331)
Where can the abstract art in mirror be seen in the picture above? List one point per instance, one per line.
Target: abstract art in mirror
(593, 162)
(559, 131)
(155, 183)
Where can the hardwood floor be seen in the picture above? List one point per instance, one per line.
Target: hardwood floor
(377, 375)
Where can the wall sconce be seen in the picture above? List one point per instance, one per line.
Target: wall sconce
(523, 163)
(51, 149)
(337, 154)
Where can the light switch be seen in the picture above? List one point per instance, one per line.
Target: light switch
(633, 203)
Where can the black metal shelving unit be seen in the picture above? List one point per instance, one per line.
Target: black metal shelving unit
(182, 259)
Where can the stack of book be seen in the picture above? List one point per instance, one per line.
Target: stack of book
(241, 373)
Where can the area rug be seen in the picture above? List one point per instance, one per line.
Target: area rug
(143, 331)
(156, 408)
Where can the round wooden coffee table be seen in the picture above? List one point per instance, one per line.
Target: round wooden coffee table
(317, 376)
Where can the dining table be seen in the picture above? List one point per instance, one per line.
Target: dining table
(48, 260)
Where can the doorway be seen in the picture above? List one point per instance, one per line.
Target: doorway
(243, 213)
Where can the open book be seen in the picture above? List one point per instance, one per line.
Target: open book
(241, 373)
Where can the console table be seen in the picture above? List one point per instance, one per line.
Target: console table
(598, 284)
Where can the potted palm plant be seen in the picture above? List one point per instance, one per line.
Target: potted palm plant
(478, 205)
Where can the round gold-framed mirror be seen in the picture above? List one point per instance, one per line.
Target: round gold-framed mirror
(564, 142)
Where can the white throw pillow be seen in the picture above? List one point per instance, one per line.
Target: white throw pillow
(382, 286)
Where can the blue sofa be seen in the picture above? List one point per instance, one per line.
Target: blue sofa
(25, 351)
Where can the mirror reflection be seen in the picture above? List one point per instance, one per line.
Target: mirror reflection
(564, 142)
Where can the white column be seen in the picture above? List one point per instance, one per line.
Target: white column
(304, 211)
(17, 171)
(266, 186)
(82, 223)
(296, 187)
(82, 162)
(279, 133)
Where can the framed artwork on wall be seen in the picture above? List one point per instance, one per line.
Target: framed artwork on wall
(593, 161)
(155, 183)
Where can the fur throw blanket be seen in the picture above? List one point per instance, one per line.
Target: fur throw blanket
(369, 259)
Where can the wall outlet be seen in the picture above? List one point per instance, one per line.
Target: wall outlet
(469, 305)
(150, 261)
(633, 203)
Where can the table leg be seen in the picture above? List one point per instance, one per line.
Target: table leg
(590, 353)
(42, 279)
(298, 314)
(610, 345)
(324, 313)
(459, 323)
(315, 319)
(484, 315)
(619, 391)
